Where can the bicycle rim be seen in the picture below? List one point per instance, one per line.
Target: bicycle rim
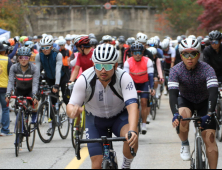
(64, 123)
(44, 123)
(199, 159)
(30, 138)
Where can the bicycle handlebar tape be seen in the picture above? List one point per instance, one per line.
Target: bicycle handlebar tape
(131, 149)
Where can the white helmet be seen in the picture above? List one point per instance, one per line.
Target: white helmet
(44, 35)
(61, 37)
(46, 41)
(153, 50)
(107, 38)
(68, 37)
(62, 42)
(142, 38)
(152, 41)
(157, 38)
(189, 44)
(57, 42)
(179, 39)
(74, 36)
(105, 54)
(165, 44)
(193, 37)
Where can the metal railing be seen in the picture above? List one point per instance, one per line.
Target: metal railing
(92, 6)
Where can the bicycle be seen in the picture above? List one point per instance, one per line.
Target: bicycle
(153, 106)
(219, 114)
(50, 117)
(139, 107)
(76, 122)
(109, 155)
(198, 158)
(23, 126)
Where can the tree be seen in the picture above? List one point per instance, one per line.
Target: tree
(211, 17)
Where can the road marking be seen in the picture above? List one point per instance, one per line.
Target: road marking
(75, 164)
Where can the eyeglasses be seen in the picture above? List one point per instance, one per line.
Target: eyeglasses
(107, 67)
(214, 42)
(152, 45)
(23, 57)
(46, 48)
(137, 52)
(192, 55)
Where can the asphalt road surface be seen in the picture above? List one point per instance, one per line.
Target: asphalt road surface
(159, 148)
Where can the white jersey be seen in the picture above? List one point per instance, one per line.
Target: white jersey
(68, 47)
(170, 54)
(104, 103)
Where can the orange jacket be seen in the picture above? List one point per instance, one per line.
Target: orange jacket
(138, 70)
(65, 59)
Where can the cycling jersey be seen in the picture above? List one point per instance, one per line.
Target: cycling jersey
(214, 59)
(24, 81)
(127, 53)
(171, 53)
(149, 71)
(85, 61)
(195, 85)
(104, 102)
(52, 64)
(66, 54)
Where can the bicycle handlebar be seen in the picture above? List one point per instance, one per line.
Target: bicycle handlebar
(99, 140)
(23, 98)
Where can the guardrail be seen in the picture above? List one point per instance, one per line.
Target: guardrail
(92, 6)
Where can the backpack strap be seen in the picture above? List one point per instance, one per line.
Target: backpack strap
(113, 81)
(93, 86)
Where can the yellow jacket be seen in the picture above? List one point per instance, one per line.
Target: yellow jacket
(3, 71)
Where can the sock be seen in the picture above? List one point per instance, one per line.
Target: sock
(186, 143)
(144, 124)
(126, 163)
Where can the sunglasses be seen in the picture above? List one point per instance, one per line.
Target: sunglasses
(192, 55)
(137, 52)
(107, 67)
(214, 42)
(46, 48)
(23, 57)
(152, 45)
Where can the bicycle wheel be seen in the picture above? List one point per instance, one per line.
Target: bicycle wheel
(199, 159)
(31, 132)
(18, 130)
(64, 122)
(45, 123)
(154, 109)
(219, 116)
(106, 164)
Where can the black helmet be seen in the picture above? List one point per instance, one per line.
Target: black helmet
(121, 36)
(137, 47)
(93, 42)
(130, 41)
(215, 35)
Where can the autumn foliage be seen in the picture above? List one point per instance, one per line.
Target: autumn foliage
(212, 15)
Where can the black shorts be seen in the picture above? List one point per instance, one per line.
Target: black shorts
(201, 108)
(24, 93)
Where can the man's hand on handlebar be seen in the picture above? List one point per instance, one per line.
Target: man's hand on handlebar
(55, 88)
(175, 120)
(152, 92)
(132, 141)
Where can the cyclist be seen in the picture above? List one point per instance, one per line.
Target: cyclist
(66, 58)
(141, 70)
(193, 86)
(110, 101)
(158, 72)
(107, 39)
(68, 45)
(142, 38)
(213, 53)
(84, 59)
(178, 57)
(93, 43)
(127, 53)
(121, 51)
(27, 79)
(170, 57)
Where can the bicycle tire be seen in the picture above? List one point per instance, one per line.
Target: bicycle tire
(154, 108)
(159, 102)
(40, 122)
(65, 119)
(31, 134)
(18, 134)
(199, 154)
(73, 131)
(219, 115)
(106, 165)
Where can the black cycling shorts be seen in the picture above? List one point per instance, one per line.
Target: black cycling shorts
(201, 108)
(24, 93)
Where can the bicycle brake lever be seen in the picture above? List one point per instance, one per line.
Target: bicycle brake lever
(131, 149)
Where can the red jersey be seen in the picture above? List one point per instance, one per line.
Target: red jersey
(85, 61)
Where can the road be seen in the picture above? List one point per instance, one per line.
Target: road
(160, 148)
